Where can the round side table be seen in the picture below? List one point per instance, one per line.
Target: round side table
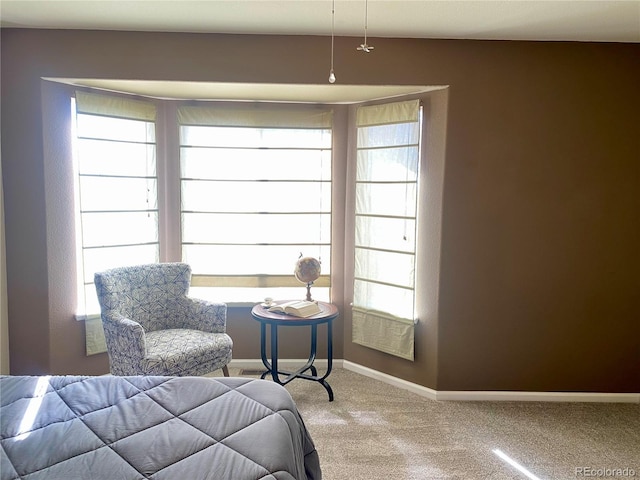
(274, 320)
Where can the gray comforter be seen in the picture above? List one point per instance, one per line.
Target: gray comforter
(186, 428)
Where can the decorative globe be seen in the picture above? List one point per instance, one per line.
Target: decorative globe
(307, 270)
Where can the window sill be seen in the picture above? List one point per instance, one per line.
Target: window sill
(83, 317)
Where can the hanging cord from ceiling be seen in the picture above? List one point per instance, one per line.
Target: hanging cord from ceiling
(364, 47)
(332, 76)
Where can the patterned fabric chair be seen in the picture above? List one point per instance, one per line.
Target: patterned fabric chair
(153, 328)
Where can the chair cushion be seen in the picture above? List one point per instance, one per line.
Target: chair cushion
(182, 352)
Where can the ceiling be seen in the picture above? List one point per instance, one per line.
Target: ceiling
(542, 20)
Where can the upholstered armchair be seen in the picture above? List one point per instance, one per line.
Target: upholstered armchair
(152, 327)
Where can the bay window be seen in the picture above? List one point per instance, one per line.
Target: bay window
(241, 190)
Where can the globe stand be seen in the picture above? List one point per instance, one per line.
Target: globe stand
(309, 299)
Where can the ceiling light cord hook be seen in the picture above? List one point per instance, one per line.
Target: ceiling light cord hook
(364, 47)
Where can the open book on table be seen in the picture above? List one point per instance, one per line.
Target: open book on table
(298, 308)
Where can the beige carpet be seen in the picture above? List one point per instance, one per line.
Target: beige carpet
(375, 431)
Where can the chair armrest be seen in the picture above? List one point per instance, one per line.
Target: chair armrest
(204, 315)
(126, 343)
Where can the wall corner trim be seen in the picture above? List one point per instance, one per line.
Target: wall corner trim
(492, 396)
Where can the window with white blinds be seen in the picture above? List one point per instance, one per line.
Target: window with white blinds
(116, 194)
(255, 194)
(388, 158)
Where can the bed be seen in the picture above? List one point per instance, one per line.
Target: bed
(179, 428)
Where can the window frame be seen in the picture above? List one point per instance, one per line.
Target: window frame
(110, 108)
(377, 213)
(264, 118)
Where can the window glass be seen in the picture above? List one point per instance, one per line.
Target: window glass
(388, 155)
(253, 199)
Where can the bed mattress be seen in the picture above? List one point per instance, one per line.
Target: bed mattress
(179, 428)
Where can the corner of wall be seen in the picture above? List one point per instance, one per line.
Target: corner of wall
(4, 317)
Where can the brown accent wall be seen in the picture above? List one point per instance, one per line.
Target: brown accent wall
(540, 224)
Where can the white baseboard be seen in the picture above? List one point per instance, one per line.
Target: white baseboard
(584, 397)
(469, 396)
(391, 380)
(492, 396)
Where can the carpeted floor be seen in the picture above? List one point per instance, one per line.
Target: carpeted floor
(376, 431)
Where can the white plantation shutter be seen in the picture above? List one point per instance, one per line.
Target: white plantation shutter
(388, 154)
